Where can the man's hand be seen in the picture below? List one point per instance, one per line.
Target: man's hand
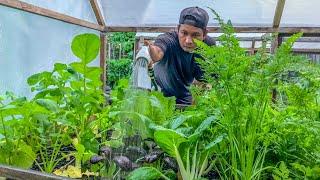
(202, 85)
(155, 52)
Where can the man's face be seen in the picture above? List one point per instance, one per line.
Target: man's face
(187, 33)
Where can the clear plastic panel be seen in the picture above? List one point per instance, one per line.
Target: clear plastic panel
(301, 13)
(30, 44)
(76, 8)
(306, 45)
(166, 12)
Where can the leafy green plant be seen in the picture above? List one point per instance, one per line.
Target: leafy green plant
(188, 149)
(242, 98)
(138, 110)
(67, 112)
(14, 132)
(146, 173)
(242, 95)
(126, 39)
(118, 69)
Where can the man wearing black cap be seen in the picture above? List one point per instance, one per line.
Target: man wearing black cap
(175, 68)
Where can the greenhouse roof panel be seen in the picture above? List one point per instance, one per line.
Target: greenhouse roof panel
(302, 13)
(75, 8)
(120, 13)
(161, 15)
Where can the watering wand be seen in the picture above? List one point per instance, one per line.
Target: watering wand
(142, 76)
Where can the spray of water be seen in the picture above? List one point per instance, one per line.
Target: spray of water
(140, 78)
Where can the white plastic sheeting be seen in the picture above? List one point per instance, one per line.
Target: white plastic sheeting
(166, 12)
(80, 9)
(146, 13)
(29, 44)
(304, 13)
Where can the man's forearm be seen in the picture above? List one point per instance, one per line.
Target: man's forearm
(156, 53)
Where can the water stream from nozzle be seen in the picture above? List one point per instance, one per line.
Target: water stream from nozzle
(140, 77)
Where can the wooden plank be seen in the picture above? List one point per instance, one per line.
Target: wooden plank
(242, 29)
(252, 47)
(103, 42)
(49, 13)
(306, 39)
(275, 44)
(278, 13)
(22, 174)
(214, 38)
(171, 28)
(302, 50)
(97, 12)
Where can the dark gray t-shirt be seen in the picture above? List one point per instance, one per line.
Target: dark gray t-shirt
(177, 69)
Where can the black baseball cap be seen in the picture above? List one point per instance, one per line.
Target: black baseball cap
(194, 16)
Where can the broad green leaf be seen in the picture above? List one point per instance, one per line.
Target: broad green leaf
(34, 79)
(146, 173)
(76, 85)
(79, 67)
(93, 72)
(51, 92)
(169, 140)
(155, 102)
(60, 66)
(205, 124)
(10, 110)
(178, 121)
(48, 104)
(86, 47)
(23, 156)
(185, 130)
(215, 142)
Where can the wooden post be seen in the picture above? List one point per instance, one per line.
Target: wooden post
(109, 51)
(278, 13)
(97, 12)
(275, 44)
(253, 47)
(120, 51)
(103, 76)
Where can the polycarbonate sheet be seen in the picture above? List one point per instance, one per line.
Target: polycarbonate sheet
(307, 45)
(301, 13)
(30, 44)
(133, 13)
(76, 8)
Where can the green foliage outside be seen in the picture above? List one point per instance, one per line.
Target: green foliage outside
(118, 69)
(126, 39)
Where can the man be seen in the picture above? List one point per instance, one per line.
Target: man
(175, 67)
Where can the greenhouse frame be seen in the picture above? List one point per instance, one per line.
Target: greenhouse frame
(36, 34)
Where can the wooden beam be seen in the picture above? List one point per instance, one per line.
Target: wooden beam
(97, 12)
(21, 174)
(278, 13)
(214, 38)
(103, 42)
(306, 39)
(171, 28)
(49, 13)
(303, 50)
(251, 51)
(275, 44)
(242, 29)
